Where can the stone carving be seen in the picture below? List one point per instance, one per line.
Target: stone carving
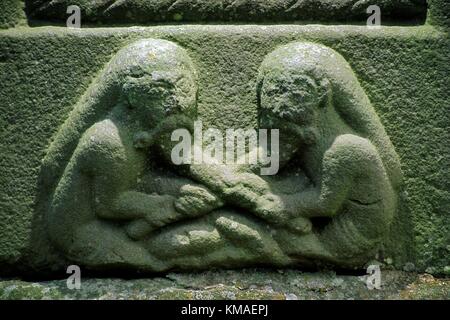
(311, 94)
(119, 203)
(146, 82)
(143, 11)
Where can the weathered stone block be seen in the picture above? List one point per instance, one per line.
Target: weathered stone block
(11, 13)
(86, 173)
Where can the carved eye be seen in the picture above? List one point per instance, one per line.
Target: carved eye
(274, 90)
(303, 96)
(136, 72)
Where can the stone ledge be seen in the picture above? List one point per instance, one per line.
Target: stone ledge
(236, 285)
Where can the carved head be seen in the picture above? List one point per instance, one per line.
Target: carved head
(158, 79)
(300, 82)
(291, 92)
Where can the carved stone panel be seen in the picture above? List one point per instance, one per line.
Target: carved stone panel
(118, 200)
(190, 135)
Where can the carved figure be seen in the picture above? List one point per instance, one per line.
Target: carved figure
(119, 203)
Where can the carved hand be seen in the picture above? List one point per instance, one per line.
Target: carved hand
(145, 139)
(196, 201)
(274, 209)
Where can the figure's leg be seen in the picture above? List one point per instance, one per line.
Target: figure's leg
(152, 212)
(70, 207)
(99, 168)
(75, 229)
(157, 211)
(307, 247)
(101, 246)
(222, 239)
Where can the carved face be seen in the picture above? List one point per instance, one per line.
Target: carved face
(151, 93)
(289, 97)
(289, 102)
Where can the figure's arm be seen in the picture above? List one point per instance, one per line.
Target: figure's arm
(232, 183)
(102, 158)
(325, 199)
(148, 211)
(152, 211)
(349, 156)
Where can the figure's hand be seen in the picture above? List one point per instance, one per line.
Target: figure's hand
(268, 206)
(272, 208)
(253, 182)
(299, 225)
(244, 189)
(196, 201)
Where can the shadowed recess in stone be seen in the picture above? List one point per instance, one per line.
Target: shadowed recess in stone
(147, 11)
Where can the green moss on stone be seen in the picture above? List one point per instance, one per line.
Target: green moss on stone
(11, 13)
(404, 70)
(252, 284)
(439, 13)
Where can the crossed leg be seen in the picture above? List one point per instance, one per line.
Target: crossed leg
(222, 238)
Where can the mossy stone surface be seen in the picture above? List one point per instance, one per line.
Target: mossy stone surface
(101, 214)
(439, 13)
(247, 284)
(403, 70)
(11, 13)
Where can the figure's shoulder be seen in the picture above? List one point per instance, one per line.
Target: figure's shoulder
(102, 131)
(103, 136)
(104, 127)
(352, 147)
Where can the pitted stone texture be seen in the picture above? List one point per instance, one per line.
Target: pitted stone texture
(247, 284)
(11, 13)
(114, 200)
(146, 11)
(393, 65)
